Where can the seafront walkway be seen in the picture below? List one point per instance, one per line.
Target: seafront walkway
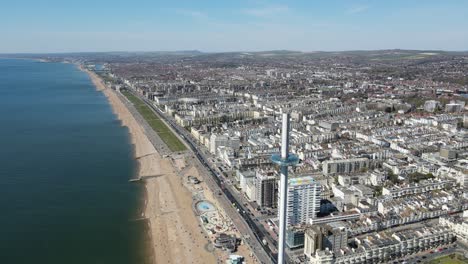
(244, 224)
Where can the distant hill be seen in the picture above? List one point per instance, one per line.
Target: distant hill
(355, 56)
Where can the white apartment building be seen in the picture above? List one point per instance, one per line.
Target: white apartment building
(331, 167)
(303, 200)
(384, 246)
(217, 140)
(459, 225)
(412, 189)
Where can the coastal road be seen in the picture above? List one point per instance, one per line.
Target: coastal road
(246, 226)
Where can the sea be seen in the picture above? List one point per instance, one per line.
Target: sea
(65, 162)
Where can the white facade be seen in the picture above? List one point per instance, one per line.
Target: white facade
(458, 225)
(431, 105)
(245, 177)
(331, 167)
(303, 200)
(223, 140)
(382, 248)
(397, 191)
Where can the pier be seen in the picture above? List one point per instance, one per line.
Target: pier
(142, 178)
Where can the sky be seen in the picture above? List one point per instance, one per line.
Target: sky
(45, 26)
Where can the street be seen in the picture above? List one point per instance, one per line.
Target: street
(252, 235)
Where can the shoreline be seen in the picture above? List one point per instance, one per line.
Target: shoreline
(174, 229)
(126, 119)
(28, 59)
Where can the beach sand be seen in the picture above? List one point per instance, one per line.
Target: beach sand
(177, 236)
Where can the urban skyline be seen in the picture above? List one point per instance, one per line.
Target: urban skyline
(250, 131)
(377, 140)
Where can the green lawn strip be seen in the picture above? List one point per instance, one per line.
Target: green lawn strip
(457, 259)
(156, 123)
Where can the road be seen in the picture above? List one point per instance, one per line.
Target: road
(426, 256)
(246, 226)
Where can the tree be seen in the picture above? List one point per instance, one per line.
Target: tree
(378, 191)
(393, 177)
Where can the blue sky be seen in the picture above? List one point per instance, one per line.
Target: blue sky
(223, 25)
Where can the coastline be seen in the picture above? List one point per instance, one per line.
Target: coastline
(137, 137)
(174, 229)
(30, 59)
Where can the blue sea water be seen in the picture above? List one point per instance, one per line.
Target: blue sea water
(65, 162)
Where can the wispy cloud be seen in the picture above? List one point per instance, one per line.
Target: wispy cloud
(357, 9)
(266, 11)
(192, 13)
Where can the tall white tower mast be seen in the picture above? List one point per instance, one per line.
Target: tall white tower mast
(285, 159)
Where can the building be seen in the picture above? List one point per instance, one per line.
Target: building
(331, 237)
(383, 247)
(331, 167)
(226, 242)
(335, 237)
(266, 189)
(329, 126)
(312, 241)
(464, 181)
(235, 259)
(245, 177)
(303, 200)
(223, 140)
(295, 237)
(458, 224)
(349, 215)
(448, 154)
(431, 106)
(417, 188)
(453, 108)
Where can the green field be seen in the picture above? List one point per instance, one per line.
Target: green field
(156, 123)
(451, 259)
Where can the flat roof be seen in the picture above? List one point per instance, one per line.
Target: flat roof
(301, 181)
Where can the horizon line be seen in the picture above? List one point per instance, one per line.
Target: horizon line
(227, 51)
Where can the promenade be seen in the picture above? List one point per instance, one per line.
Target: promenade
(176, 233)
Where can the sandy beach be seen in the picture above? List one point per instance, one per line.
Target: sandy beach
(175, 230)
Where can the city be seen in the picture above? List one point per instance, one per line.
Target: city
(234, 132)
(381, 139)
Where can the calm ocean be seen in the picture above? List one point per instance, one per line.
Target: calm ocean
(65, 161)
